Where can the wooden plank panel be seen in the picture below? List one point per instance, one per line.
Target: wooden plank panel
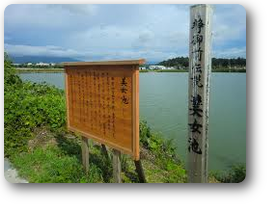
(122, 62)
(103, 104)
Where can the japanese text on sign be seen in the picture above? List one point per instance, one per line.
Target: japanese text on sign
(196, 105)
(101, 104)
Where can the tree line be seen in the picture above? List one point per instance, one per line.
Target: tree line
(217, 63)
(34, 65)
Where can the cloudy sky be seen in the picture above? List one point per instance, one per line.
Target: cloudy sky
(101, 32)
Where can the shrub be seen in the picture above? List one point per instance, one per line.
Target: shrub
(27, 106)
(236, 174)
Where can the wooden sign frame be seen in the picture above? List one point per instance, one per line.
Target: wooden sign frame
(129, 66)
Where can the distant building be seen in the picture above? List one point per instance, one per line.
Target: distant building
(42, 64)
(29, 64)
(161, 67)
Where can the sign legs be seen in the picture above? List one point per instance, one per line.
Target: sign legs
(116, 166)
(140, 171)
(116, 162)
(85, 154)
(104, 151)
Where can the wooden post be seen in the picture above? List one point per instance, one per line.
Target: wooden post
(85, 154)
(116, 166)
(198, 94)
(104, 151)
(140, 171)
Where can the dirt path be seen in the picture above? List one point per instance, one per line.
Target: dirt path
(11, 174)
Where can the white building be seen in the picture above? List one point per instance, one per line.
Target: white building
(42, 64)
(157, 67)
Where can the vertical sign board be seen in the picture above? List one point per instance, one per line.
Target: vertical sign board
(199, 88)
(103, 102)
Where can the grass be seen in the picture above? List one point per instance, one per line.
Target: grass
(55, 157)
(50, 165)
(52, 158)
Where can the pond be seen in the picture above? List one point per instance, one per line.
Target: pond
(163, 104)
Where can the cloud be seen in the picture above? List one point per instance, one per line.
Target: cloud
(31, 16)
(231, 52)
(106, 31)
(229, 24)
(89, 55)
(7, 38)
(145, 36)
(144, 39)
(49, 50)
(39, 17)
(79, 9)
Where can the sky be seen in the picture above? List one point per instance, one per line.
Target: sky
(89, 32)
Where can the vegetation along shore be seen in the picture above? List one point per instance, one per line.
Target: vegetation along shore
(43, 151)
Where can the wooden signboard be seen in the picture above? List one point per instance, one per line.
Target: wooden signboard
(103, 102)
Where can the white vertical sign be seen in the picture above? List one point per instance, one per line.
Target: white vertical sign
(198, 92)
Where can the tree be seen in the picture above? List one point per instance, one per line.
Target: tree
(10, 76)
(216, 62)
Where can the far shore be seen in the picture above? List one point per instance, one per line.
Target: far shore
(21, 70)
(55, 70)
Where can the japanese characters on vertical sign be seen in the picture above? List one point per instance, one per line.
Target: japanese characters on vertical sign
(196, 94)
(199, 89)
(100, 103)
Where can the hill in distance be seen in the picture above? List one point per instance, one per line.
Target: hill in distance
(44, 59)
(50, 59)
